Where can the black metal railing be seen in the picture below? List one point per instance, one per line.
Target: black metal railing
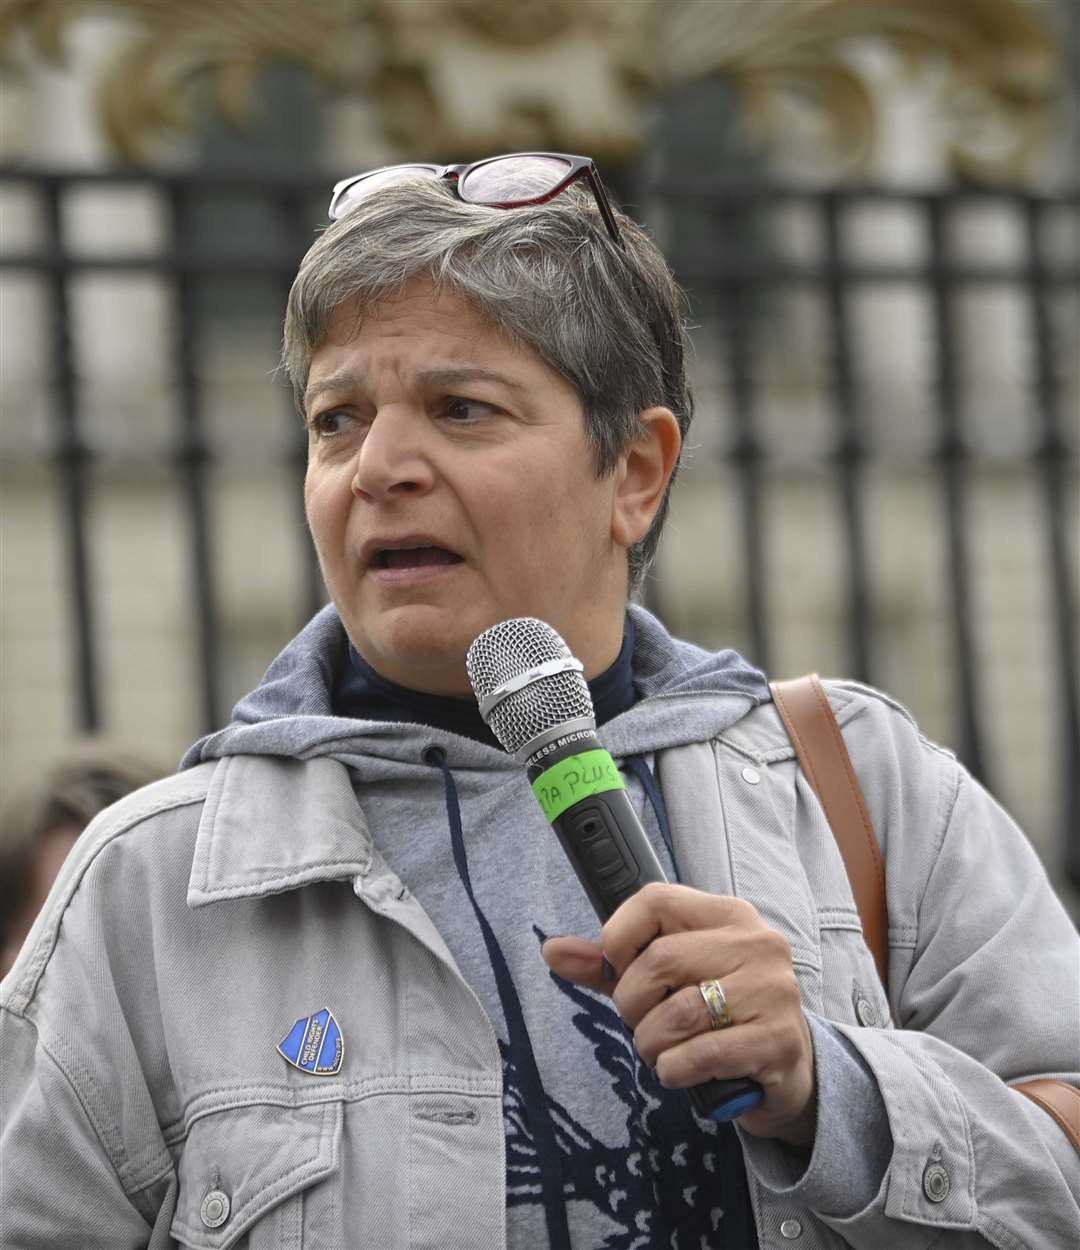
(732, 280)
(735, 275)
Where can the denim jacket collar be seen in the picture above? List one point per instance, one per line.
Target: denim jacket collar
(271, 824)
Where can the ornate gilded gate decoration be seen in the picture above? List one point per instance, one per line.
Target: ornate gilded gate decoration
(476, 76)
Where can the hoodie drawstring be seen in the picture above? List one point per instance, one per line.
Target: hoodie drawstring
(521, 1051)
(641, 770)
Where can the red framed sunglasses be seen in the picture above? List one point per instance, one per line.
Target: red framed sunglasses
(515, 180)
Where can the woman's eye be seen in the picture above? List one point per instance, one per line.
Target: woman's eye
(327, 424)
(462, 410)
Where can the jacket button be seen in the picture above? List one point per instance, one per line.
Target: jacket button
(751, 775)
(864, 1011)
(215, 1208)
(936, 1183)
(791, 1229)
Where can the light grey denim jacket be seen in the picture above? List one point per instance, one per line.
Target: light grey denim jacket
(138, 1109)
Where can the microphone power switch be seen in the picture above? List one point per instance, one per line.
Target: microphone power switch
(603, 856)
(601, 847)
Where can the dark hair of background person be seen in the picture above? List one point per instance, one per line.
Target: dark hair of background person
(40, 825)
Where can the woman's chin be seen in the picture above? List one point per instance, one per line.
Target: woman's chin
(420, 653)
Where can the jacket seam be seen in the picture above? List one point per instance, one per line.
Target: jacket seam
(298, 875)
(746, 753)
(25, 990)
(843, 918)
(806, 957)
(847, 704)
(777, 747)
(999, 1234)
(286, 871)
(151, 1162)
(235, 1097)
(937, 748)
(201, 852)
(410, 1138)
(950, 804)
(166, 1169)
(725, 830)
(117, 1155)
(855, 689)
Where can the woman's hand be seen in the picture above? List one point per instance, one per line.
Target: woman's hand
(653, 954)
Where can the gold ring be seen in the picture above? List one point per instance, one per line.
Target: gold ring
(715, 1003)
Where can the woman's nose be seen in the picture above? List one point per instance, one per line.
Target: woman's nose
(394, 457)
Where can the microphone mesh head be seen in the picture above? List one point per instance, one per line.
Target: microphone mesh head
(506, 651)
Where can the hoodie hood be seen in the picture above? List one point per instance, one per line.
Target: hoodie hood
(685, 694)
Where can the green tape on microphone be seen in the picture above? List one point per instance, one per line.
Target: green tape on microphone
(575, 778)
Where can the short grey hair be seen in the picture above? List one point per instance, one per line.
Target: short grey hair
(606, 317)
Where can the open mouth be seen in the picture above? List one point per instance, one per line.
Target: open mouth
(413, 557)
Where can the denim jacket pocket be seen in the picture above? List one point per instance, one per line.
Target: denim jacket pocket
(248, 1178)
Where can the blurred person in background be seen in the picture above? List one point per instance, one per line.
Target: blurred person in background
(335, 984)
(39, 827)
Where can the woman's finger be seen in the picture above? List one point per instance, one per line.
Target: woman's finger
(668, 909)
(757, 993)
(684, 1015)
(580, 961)
(673, 961)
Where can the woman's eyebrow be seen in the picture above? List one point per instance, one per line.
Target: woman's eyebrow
(458, 375)
(436, 376)
(343, 380)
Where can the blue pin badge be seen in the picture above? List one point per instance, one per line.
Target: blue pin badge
(314, 1044)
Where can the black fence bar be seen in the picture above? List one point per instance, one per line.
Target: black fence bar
(191, 457)
(849, 451)
(746, 453)
(952, 454)
(1052, 461)
(72, 461)
(293, 207)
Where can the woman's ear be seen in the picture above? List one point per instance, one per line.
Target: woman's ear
(643, 474)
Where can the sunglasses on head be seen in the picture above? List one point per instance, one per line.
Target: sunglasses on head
(512, 181)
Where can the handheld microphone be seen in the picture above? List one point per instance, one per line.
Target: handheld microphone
(532, 695)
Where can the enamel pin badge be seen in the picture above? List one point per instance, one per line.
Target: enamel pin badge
(314, 1044)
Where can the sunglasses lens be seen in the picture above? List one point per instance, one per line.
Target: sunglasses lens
(513, 179)
(369, 183)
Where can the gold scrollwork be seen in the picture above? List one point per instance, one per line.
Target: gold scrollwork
(473, 76)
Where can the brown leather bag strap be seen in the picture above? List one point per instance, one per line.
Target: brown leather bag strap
(819, 745)
(1059, 1100)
